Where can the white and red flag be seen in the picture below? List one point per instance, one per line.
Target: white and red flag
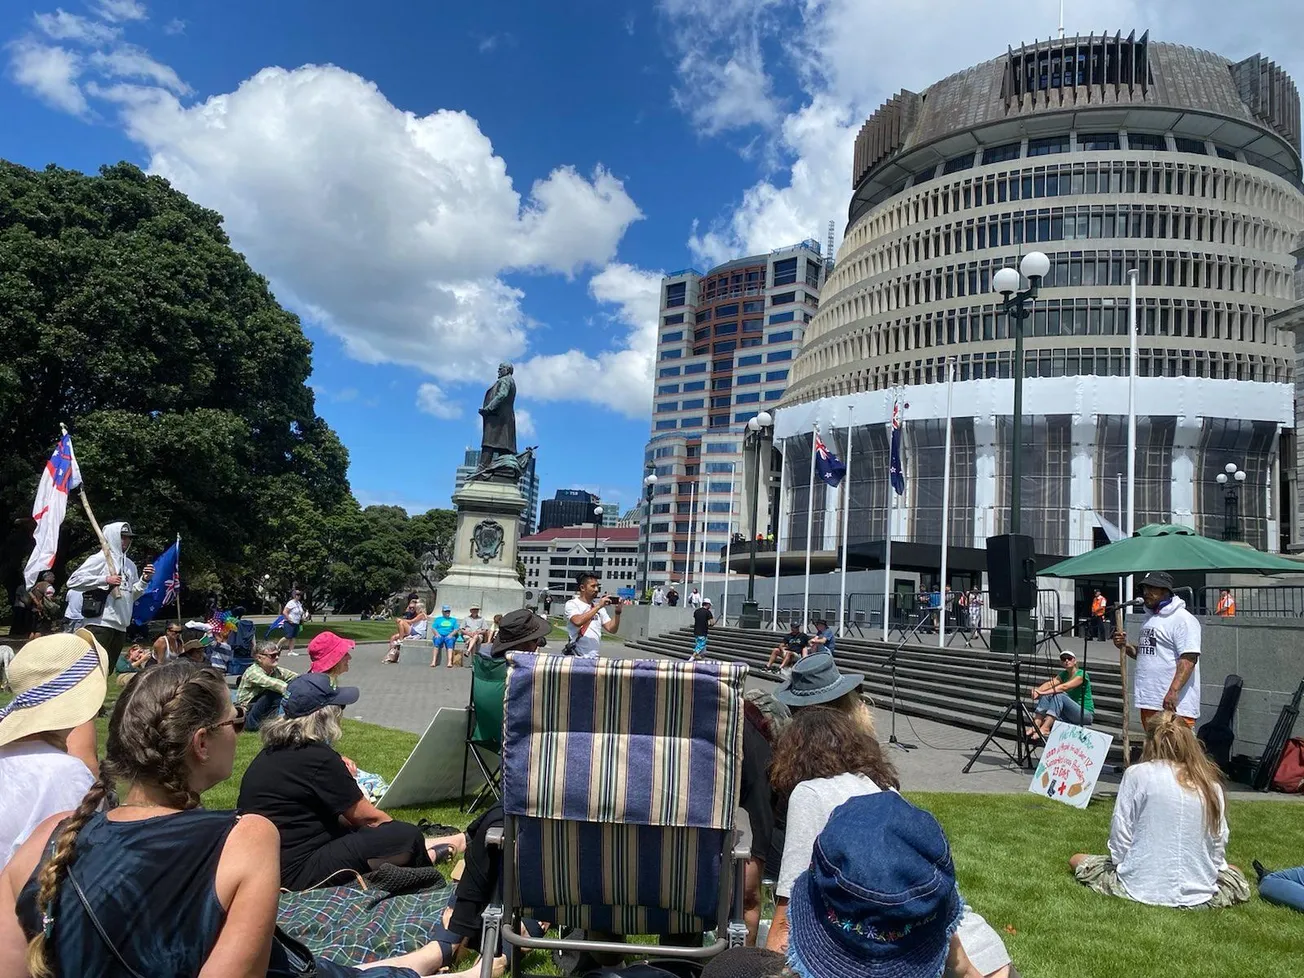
(60, 477)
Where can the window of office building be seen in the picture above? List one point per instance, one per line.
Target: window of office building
(778, 355)
(695, 402)
(694, 385)
(667, 424)
(744, 379)
(1048, 145)
(785, 272)
(781, 337)
(1146, 140)
(668, 389)
(726, 312)
(676, 293)
(668, 372)
(752, 397)
(813, 270)
(999, 154)
(771, 375)
(702, 316)
(956, 163)
(666, 406)
(742, 417)
(693, 368)
(1185, 145)
(672, 320)
(674, 337)
(753, 305)
(753, 325)
(783, 298)
(671, 354)
(783, 317)
(726, 329)
(724, 346)
(694, 422)
(1097, 141)
(747, 361)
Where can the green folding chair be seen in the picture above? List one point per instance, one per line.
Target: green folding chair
(484, 728)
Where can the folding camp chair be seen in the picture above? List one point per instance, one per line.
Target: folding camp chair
(484, 727)
(620, 804)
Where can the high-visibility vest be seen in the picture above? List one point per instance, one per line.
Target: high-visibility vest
(1098, 604)
(1226, 606)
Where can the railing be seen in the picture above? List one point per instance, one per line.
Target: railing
(1273, 601)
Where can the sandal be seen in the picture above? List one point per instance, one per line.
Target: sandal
(442, 854)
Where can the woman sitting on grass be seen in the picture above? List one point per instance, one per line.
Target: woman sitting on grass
(1168, 836)
(306, 789)
(158, 885)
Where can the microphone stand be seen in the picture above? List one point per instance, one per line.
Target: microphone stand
(891, 663)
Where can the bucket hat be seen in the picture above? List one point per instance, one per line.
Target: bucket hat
(58, 683)
(879, 899)
(815, 680)
(519, 628)
(311, 692)
(326, 649)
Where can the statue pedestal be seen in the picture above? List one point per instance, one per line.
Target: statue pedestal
(484, 552)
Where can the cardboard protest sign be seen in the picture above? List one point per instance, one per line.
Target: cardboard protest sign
(1070, 764)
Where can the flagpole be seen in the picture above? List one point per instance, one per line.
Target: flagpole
(728, 544)
(846, 523)
(887, 536)
(176, 573)
(778, 530)
(692, 522)
(701, 534)
(1132, 274)
(946, 501)
(810, 529)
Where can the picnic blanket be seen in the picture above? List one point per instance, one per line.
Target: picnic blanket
(358, 925)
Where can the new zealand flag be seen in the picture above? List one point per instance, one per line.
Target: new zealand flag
(828, 466)
(897, 472)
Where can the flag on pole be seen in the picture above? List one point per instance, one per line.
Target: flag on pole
(163, 586)
(897, 469)
(60, 477)
(828, 466)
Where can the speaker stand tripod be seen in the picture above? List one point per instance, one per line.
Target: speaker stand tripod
(1022, 755)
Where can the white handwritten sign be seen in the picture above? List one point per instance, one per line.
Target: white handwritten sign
(1070, 764)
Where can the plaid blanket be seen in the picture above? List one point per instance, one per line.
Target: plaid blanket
(355, 925)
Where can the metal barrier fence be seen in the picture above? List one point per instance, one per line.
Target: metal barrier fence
(1273, 601)
(967, 619)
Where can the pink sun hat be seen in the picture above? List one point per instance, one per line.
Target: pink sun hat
(327, 649)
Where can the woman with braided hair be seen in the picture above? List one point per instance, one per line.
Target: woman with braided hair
(157, 885)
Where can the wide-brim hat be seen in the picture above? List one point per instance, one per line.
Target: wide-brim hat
(815, 680)
(327, 649)
(59, 682)
(520, 627)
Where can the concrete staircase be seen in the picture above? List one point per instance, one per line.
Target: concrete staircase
(966, 688)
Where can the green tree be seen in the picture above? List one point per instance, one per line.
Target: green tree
(125, 312)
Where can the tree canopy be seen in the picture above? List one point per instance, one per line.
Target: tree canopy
(126, 313)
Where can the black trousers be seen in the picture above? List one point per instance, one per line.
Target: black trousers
(362, 850)
(112, 640)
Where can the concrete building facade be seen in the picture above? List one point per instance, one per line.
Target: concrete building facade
(1107, 153)
(554, 557)
(727, 343)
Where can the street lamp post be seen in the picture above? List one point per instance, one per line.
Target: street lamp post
(1017, 306)
(597, 522)
(758, 431)
(1230, 478)
(649, 486)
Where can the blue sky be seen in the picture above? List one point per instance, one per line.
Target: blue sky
(434, 186)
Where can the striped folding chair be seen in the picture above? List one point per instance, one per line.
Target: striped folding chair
(620, 804)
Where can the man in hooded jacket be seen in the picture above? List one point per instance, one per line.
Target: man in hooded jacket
(123, 584)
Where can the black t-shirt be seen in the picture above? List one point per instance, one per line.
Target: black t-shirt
(701, 621)
(754, 794)
(796, 643)
(672, 597)
(303, 790)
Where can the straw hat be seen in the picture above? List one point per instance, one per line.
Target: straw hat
(58, 682)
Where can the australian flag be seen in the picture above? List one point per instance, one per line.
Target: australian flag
(897, 470)
(828, 466)
(163, 586)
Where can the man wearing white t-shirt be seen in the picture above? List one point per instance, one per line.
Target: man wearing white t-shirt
(1167, 653)
(587, 616)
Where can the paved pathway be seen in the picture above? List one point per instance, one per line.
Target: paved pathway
(406, 695)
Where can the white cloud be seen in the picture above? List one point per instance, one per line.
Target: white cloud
(433, 400)
(524, 425)
(388, 228)
(828, 45)
(620, 376)
(130, 61)
(50, 73)
(175, 26)
(63, 26)
(120, 10)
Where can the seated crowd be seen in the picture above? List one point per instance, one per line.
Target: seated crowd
(113, 864)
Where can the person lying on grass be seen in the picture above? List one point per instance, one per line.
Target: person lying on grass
(157, 885)
(1168, 836)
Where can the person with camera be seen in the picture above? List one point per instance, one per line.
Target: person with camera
(587, 616)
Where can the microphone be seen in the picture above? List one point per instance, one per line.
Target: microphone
(1134, 603)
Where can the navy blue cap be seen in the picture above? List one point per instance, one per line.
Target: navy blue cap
(312, 691)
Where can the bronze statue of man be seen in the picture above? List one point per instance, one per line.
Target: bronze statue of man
(499, 413)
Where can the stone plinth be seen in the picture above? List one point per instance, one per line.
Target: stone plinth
(484, 553)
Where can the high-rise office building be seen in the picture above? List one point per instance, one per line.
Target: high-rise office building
(728, 337)
(1107, 153)
(568, 507)
(529, 486)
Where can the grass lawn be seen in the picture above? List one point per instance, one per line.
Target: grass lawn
(1011, 854)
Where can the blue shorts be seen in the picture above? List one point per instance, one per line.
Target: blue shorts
(291, 630)
(699, 645)
(445, 642)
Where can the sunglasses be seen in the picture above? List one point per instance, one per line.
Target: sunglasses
(236, 723)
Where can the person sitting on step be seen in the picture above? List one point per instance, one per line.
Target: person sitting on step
(792, 647)
(1067, 697)
(1168, 836)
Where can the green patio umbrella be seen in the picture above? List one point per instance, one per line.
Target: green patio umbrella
(1165, 547)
